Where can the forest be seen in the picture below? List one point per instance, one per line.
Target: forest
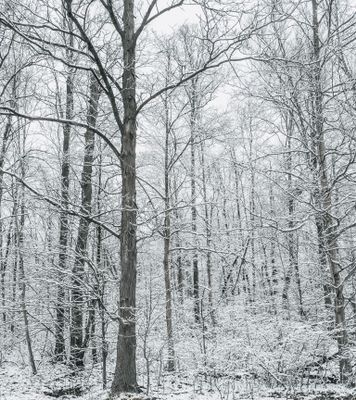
(177, 199)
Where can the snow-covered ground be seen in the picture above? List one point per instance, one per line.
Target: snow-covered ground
(17, 383)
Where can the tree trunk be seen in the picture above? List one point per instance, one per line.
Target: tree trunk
(77, 342)
(167, 245)
(325, 220)
(4, 146)
(20, 227)
(23, 287)
(59, 349)
(180, 273)
(100, 264)
(208, 220)
(193, 121)
(125, 371)
(252, 292)
(15, 196)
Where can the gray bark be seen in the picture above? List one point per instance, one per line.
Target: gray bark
(125, 379)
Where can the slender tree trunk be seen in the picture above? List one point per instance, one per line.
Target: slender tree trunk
(208, 220)
(5, 261)
(292, 237)
(167, 245)
(180, 274)
(78, 343)
(15, 196)
(328, 230)
(228, 279)
(20, 227)
(22, 279)
(252, 219)
(59, 349)
(238, 208)
(100, 263)
(193, 122)
(4, 146)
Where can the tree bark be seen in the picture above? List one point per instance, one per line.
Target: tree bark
(59, 349)
(125, 371)
(78, 343)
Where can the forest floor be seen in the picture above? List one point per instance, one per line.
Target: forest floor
(19, 384)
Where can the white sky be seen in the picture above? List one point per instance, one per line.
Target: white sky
(178, 16)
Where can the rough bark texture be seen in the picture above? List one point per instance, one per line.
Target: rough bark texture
(125, 371)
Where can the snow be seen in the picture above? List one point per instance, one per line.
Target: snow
(17, 383)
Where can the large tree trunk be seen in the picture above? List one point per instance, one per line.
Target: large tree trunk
(125, 372)
(77, 342)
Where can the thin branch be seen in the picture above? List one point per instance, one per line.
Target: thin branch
(58, 205)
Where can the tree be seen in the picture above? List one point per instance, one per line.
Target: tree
(78, 343)
(59, 349)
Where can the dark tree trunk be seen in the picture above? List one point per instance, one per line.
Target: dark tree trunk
(325, 219)
(78, 343)
(125, 372)
(59, 349)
